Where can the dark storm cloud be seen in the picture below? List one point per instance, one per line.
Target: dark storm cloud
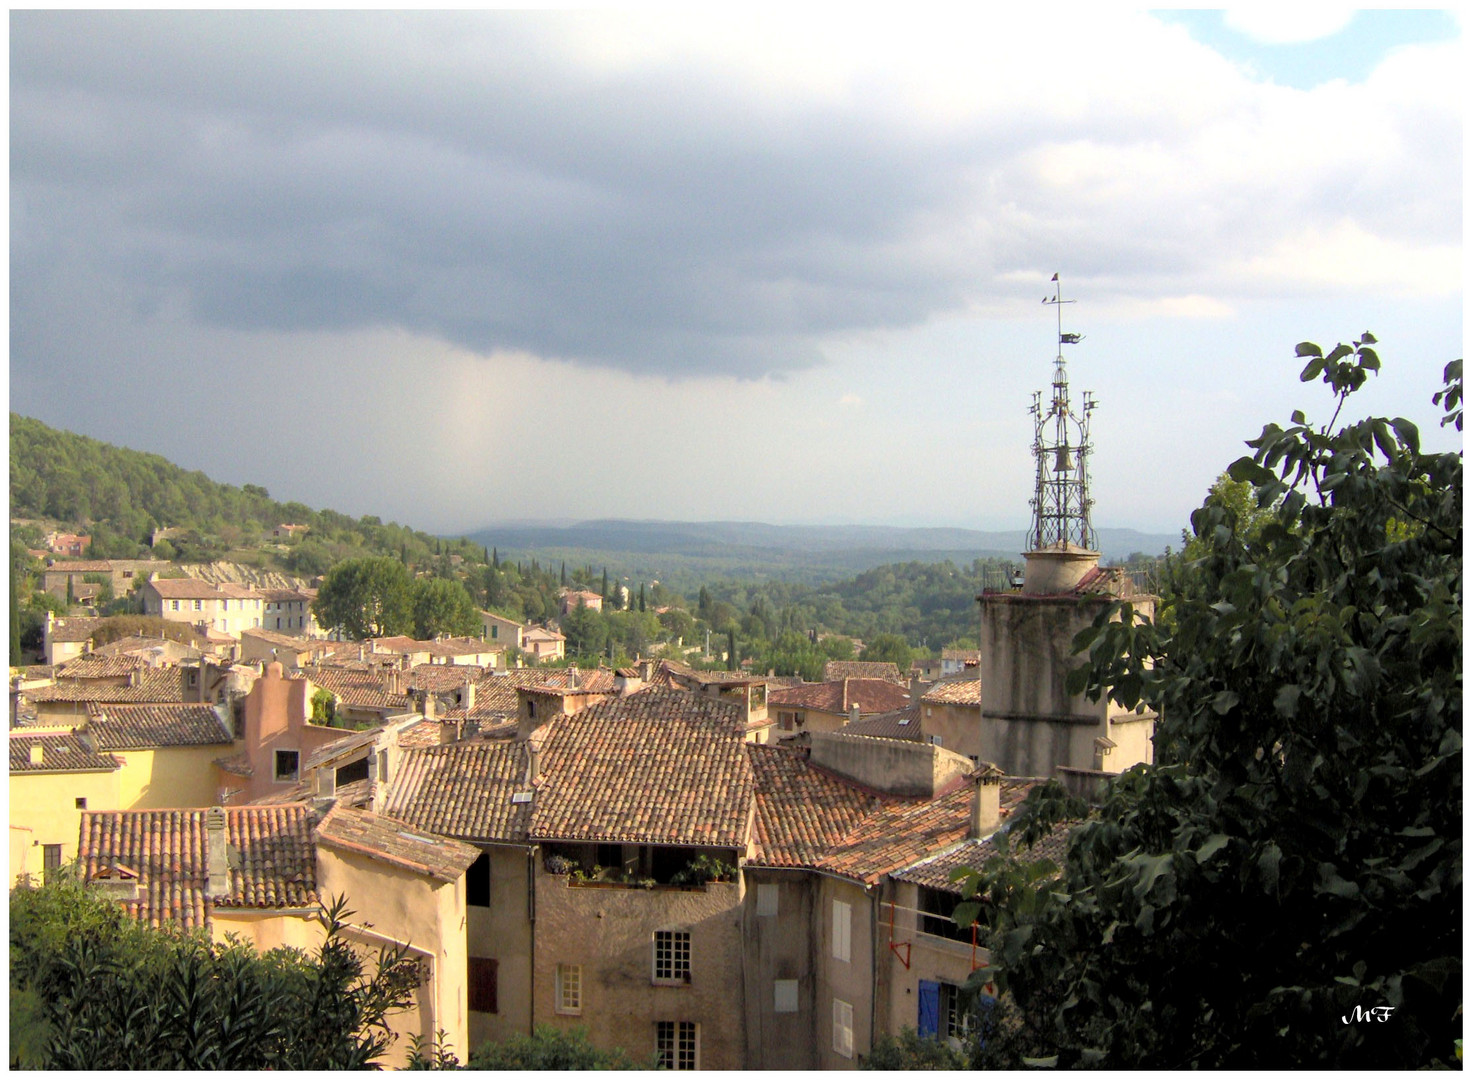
(317, 171)
(496, 181)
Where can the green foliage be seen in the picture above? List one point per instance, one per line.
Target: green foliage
(324, 707)
(702, 869)
(443, 607)
(120, 626)
(909, 1050)
(888, 647)
(1296, 850)
(551, 1047)
(95, 989)
(368, 597)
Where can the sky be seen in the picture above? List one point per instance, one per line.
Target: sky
(461, 268)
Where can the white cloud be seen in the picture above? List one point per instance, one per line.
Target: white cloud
(1282, 24)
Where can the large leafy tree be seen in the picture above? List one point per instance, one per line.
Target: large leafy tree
(1296, 851)
(366, 597)
(442, 606)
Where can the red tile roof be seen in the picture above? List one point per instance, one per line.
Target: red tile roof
(77, 629)
(187, 588)
(935, 872)
(861, 669)
(95, 666)
(144, 727)
(62, 751)
(358, 688)
(959, 691)
(272, 860)
(901, 833)
(838, 697)
(655, 767)
(899, 724)
(464, 790)
(154, 685)
(395, 842)
(801, 810)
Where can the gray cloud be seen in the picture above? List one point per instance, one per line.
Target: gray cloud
(470, 177)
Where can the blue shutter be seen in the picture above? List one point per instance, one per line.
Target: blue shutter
(929, 1008)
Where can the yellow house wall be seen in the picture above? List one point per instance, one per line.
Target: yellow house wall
(610, 932)
(503, 932)
(428, 914)
(959, 727)
(269, 930)
(170, 777)
(849, 980)
(43, 810)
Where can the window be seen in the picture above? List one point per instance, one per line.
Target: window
(482, 979)
(766, 899)
(287, 762)
(843, 1028)
(173, 605)
(842, 928)
(478, 882)
(383, 766)
(224, 605)
(570, 989)
(82, 804)
(495, 631)
(51, 860)
(935, 740)
(672, 956)
(199, 605)
(678, 1042)
(784, 996)
(955, 1018)
(278, 622)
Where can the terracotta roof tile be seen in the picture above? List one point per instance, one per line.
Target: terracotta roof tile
(901, 833)
(62, 751)
(154, 686)
(935, 872)
(360, 688)
(839, 696)
(395, 842)
(801, 810)
(76, 629)
(443, 677)
(186, 588)
(898, 724)
(463, 790)
(95, 666)
(139, 727)
(272, 860)
(958, 691)
(861, 669)
(655, 767)
(964, 655)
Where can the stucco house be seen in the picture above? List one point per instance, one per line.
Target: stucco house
(828, 706)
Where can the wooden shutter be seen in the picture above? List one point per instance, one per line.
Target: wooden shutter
(482, 984)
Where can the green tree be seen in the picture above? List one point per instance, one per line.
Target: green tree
(443, 607)
(92, 988)
(909, 1050)
(890, 647)
(366, 597)
(1296, 851)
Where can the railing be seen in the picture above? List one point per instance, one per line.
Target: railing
(955, 937)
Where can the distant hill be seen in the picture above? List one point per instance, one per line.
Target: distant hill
(680, 553)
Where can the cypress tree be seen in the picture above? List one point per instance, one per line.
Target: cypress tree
(14, 620)
(731, 649)
(495, 558)
(605, 583)
(71, 595)
(563, 580)
(641, 596)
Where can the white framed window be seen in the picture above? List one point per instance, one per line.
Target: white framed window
(678, 1042)
(570, 989)
(784, 996)
(843, 1028)
(672, 956)
(199, 605)
(174, 605)
(766, 900)
(955, 1021)
(842, 929)
(935, 740)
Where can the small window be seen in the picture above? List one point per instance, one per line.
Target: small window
(784, 996)
(383, 766)
(173, 605)
(287, 763)
(672, 956)
(843, 1028)
(81, 804)
(766, 899)
(478, 882)
(679, 1044)
(224, 605)
(531, 710)
(955, 1018)
(570, 989)
(199, 605)
(935, 740)
(495, 631)
(482, 978)
(842, 929)
(51, 860)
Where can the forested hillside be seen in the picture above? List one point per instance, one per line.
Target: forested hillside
(122, 495)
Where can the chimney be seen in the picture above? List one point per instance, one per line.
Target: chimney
(572, 677)
(362, 651)
(853, 713)
(429, 705)
(36, 754)
(986, 802)
(467, 698)
(215, 844)
(917, 689)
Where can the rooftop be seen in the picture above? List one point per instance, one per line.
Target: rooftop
(463, 790)
(61, 751)
(148, 727)
(395, 843)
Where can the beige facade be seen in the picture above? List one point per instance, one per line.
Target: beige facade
(501, 931)
(226, 608)
(611, 933)
(502, 631)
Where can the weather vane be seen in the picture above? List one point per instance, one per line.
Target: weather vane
(1060, 448)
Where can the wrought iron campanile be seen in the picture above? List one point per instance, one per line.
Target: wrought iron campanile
(1060, 450)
